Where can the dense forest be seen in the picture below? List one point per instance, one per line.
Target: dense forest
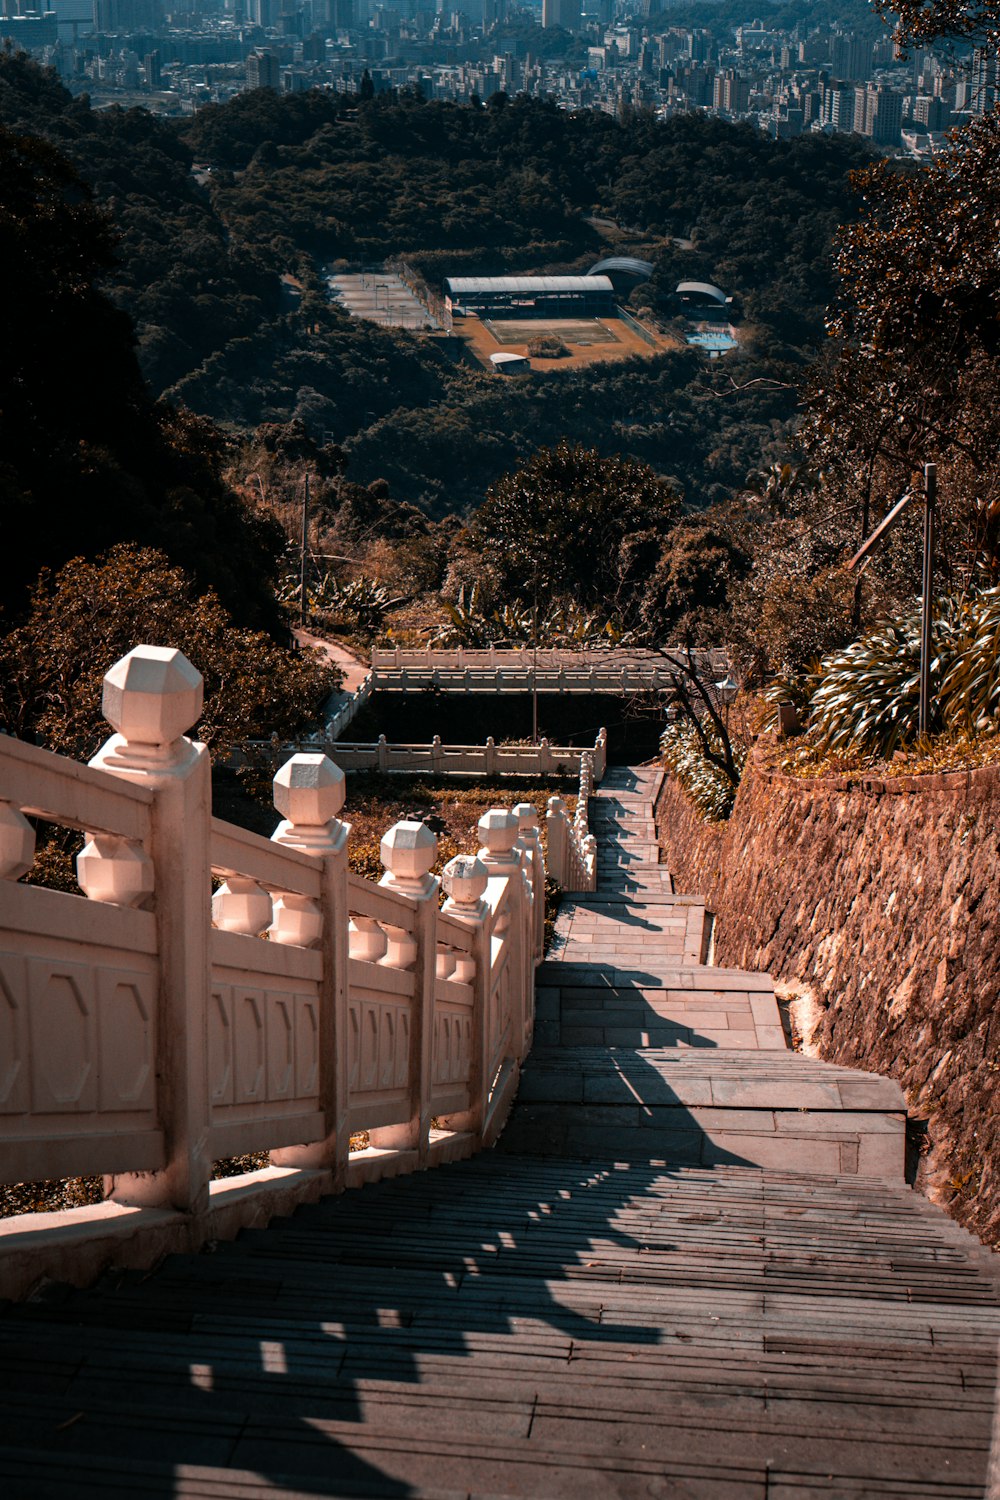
(305, 179)
(200, 390)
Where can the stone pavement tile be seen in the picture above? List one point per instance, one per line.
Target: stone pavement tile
(783, 1093)
(765, 1009)
(772, 1038)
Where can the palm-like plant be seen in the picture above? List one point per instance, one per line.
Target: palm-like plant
(711, 790)
(970, 687)
(867, 697)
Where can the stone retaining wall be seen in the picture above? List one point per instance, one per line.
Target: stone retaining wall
(879, 900)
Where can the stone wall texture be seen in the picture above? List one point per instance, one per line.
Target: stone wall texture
(879, 899)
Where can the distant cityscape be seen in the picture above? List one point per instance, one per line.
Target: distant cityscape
(604, 57)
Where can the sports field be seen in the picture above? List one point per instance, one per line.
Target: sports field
(589, 340)
(581, 333)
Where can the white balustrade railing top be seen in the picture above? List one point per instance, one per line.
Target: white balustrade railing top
(572, 848)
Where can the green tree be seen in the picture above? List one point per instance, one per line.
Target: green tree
(917, 377)
(570, 522)
(688, 591)
(91, 613)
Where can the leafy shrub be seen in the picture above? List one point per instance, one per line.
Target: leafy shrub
(866, 697)
(970, 689)
(548, 347)
(708, 786)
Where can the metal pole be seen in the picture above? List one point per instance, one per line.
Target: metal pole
(930, 498)
(534, 667)
(302, 565)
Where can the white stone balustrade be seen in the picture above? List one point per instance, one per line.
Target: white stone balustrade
(572, 848)
(148, 1028)
(435, 758)
(115, 870)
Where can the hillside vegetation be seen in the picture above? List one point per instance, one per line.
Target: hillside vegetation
(295, 181)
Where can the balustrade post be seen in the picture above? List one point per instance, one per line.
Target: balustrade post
(151, 696)
(408, 851)
(601, 755)
(382, 750)
(465, 880)
(309, 791)
(491, 756)
(557, 837)
(531, 838)
(437, 757)
(500, 853)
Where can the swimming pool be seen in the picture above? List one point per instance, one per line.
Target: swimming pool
(713, 340)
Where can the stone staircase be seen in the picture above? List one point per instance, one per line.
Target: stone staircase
(643, 1053)
(692, 1272)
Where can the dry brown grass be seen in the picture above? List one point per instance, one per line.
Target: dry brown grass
(809, 759)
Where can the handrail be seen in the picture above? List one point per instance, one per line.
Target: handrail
(572, 846)
(152, 1030)
(437, 759)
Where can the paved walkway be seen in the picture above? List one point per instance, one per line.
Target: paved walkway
(692, 1271)
(354, 671)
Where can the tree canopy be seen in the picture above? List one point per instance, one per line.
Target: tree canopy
(90, 613)
(569, 522)
(86, 458)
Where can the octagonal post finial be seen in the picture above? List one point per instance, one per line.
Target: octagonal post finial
(152, 696)
(309, 790)
(498, 832)
(408, 851)
(465, 879)
(526, 814)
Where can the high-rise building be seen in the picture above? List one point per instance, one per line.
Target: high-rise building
(263, 71)
(887, 117)
(878, 113)
(731, 93)
(564, 13)
(852, 57)
(127, 15)
(931, 111)
(838, 106)
(985, 81)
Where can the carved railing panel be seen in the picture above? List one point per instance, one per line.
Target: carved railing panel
(153, 1024)
(78, 978)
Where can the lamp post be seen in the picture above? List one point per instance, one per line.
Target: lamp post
(926, 602)
(302, 560)
(726, 691)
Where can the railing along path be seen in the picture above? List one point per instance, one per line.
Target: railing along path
(437, 759)
(150, 1028)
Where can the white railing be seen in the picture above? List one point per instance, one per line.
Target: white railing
(437, 759)
(349, 709)
(396, 657)
(524, 676)
(149, 1028)
(572, 848)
